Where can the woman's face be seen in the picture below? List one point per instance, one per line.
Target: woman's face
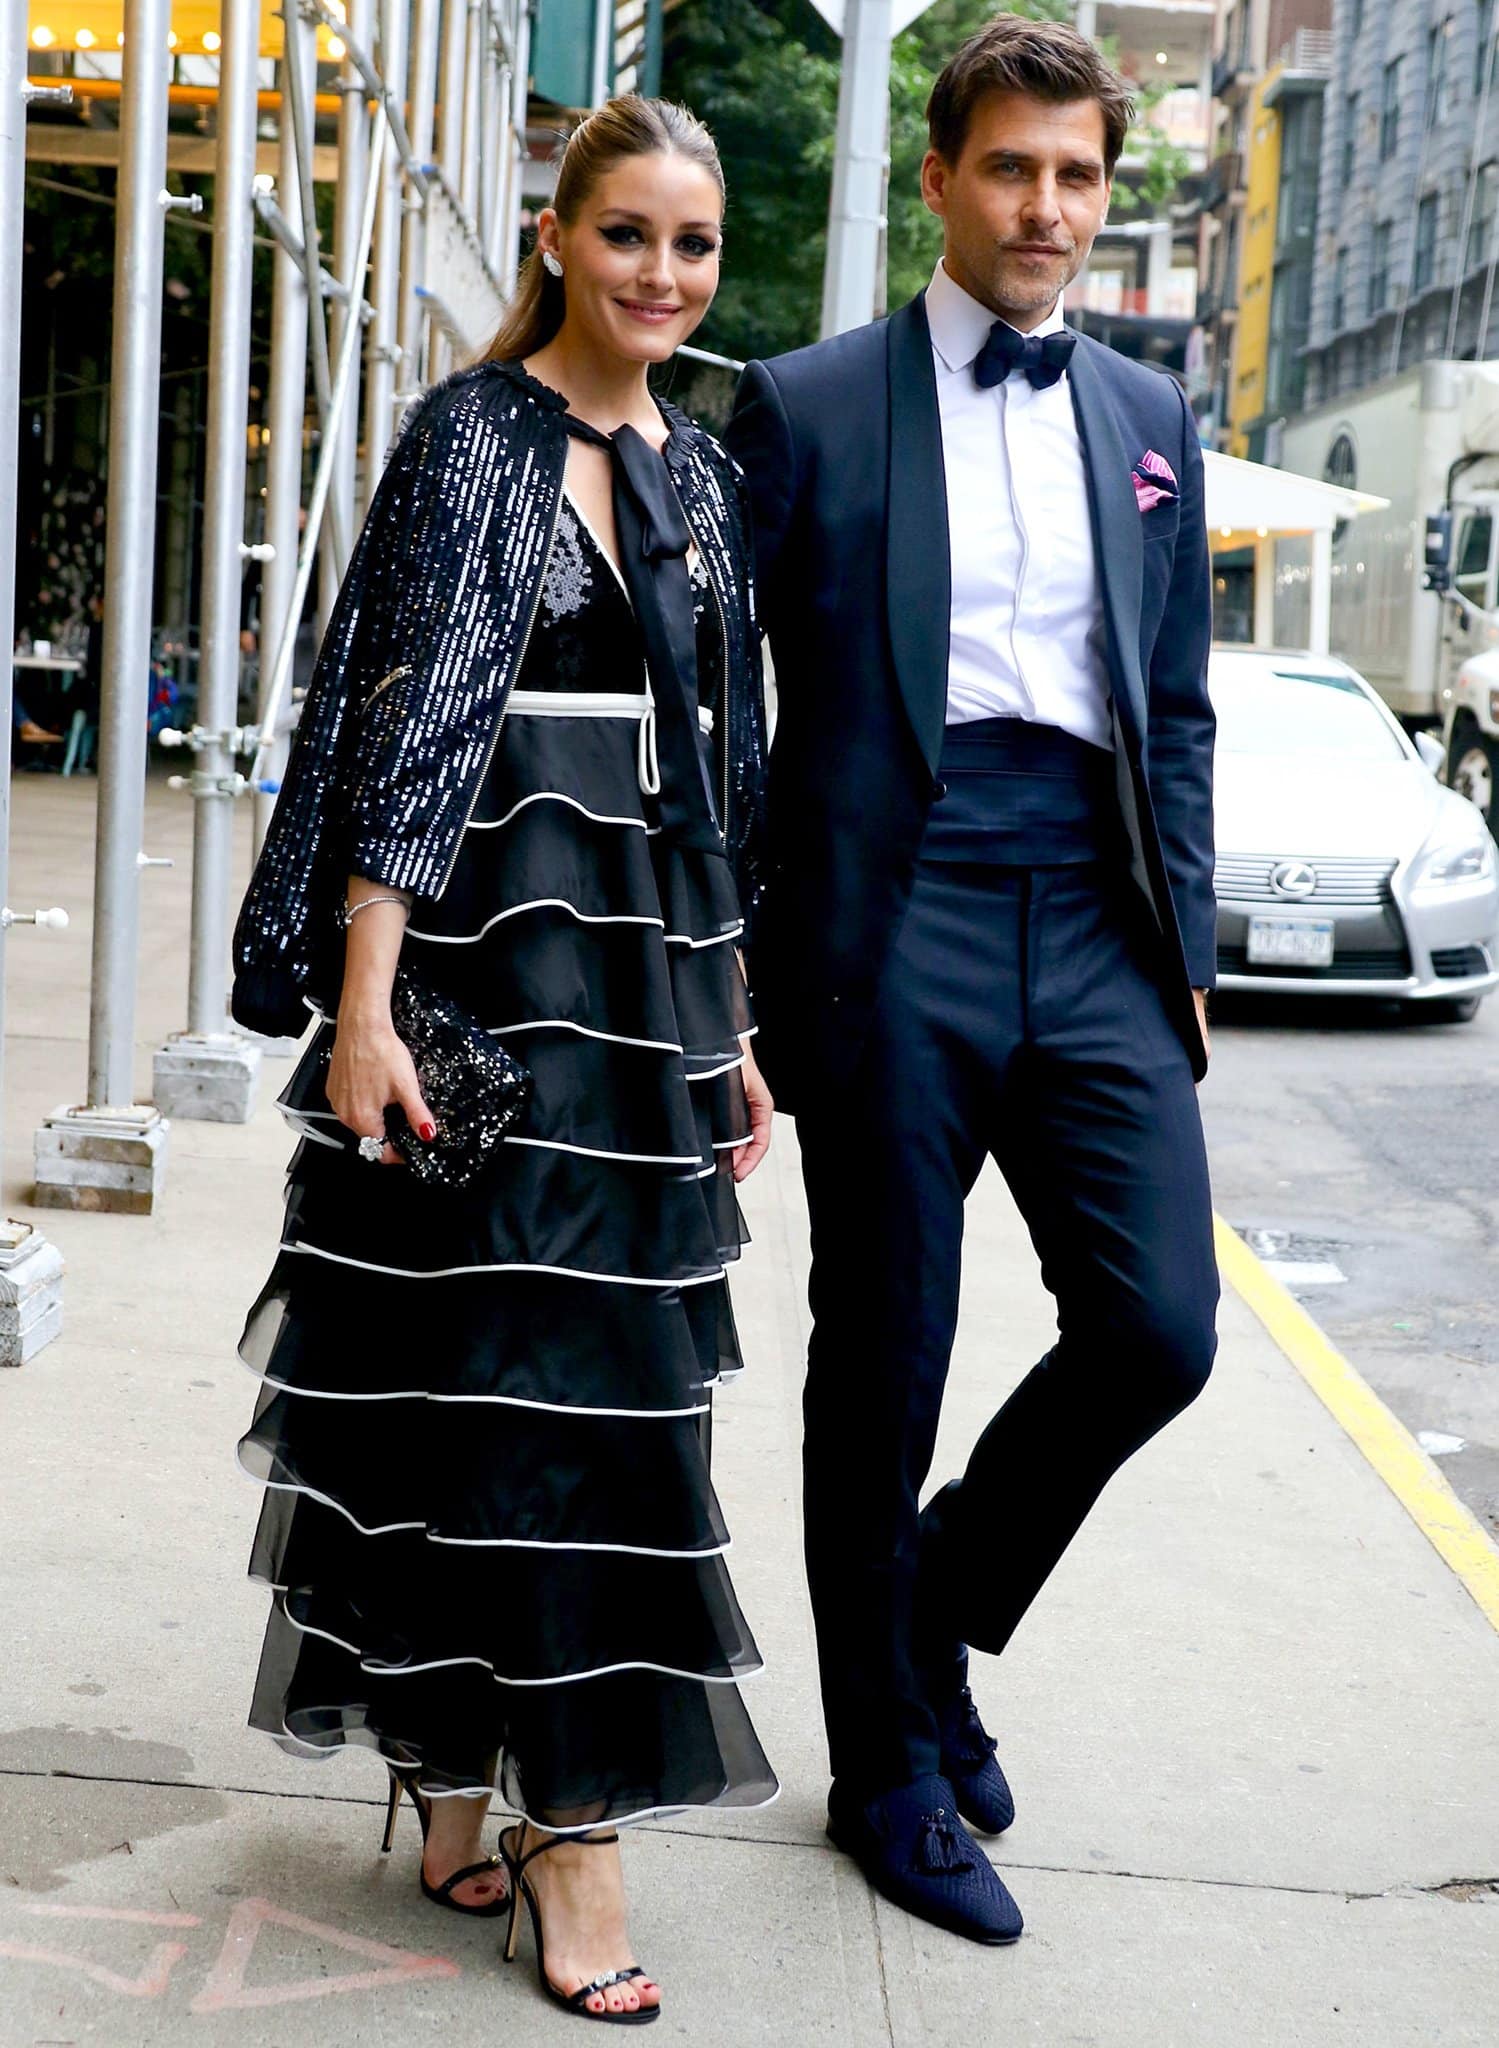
(640, 262)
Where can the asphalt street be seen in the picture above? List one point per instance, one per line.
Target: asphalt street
(1358, 1152)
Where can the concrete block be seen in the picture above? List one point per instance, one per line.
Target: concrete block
(209, 1078)
(31, 1270)
(111, 1158)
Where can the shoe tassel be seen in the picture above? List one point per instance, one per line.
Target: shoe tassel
(938, 1850)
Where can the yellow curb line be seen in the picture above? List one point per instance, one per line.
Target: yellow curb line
(1387, 1444)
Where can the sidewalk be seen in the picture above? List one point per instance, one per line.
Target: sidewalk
(1252, 1727)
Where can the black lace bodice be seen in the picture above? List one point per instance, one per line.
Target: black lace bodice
(585, 636)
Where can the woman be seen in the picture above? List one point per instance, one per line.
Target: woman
(527, 769)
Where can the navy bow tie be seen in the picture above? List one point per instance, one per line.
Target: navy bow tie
(1042, 360)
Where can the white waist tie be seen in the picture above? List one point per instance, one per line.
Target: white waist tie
(640, 705)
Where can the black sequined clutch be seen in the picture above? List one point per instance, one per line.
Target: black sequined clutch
(473, 1087)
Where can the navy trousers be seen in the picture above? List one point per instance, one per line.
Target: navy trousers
(1018, 1017)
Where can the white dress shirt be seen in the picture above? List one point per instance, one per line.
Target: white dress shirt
(1028, 635)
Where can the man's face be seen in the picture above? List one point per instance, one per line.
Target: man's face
(1023, 203)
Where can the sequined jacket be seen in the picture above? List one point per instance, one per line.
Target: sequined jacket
(430, 629)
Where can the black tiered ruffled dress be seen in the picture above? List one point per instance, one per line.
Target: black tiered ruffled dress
(489, 1527)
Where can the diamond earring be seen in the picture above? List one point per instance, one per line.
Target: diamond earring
(553, 263)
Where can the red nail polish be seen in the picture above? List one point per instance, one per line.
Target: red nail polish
(426, 1132)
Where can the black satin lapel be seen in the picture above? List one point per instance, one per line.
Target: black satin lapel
(1116, 530)
(918, 570)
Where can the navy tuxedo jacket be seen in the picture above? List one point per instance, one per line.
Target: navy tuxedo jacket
(842, 447)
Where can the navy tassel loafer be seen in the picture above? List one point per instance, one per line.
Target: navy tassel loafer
(915, 1851)
(980, 1790)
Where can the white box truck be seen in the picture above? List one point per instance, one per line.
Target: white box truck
(1428, 440)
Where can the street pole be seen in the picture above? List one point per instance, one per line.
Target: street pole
(30, 1267)
(287, 405)
(209, 1072)
(856, 211)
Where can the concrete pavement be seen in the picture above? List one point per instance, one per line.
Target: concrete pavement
(1253, 1727)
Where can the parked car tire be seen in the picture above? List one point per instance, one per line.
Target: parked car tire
(1473, 769)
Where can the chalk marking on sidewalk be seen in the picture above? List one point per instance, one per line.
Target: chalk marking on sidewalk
(151, 1983)
(1385, 1442)
(127, 1913)
(226, 1990)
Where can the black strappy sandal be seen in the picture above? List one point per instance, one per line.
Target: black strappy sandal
(440, 1894)
(570, 2001)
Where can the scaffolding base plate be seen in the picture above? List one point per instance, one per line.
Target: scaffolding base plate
(111, 1158)
(208, 1079)
(31, 1270)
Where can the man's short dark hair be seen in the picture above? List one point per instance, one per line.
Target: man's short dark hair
(1047, 60)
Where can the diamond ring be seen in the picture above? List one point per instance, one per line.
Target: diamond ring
(373, 1149)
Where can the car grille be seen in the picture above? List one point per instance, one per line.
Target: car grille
(1455, 963)
(1342, 883)
(1347, 965)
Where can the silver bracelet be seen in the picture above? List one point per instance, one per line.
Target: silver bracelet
(349, 911)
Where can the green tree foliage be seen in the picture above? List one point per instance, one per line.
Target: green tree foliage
(764, 75)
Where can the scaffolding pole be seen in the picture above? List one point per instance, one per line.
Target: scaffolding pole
(345, 389)
(12, 241)
(348, 211)
(382, 349)
(286, 408)
(412, 324)
(30, 1267)
(470, 173)
(130, 529)
(450, 141)
(509, 263)
(209, 1072)
(110, 1153)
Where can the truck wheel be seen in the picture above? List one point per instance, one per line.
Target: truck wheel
(1473, 771)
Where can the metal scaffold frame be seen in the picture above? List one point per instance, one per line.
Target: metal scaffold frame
(417, 278)
(426, 215)
(30, 1267)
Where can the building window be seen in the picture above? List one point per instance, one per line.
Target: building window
(1341, 466)
(1389, 112)
(1357, 16)
(1350, 138)
(1483, 56)
(1379, 268)
(1423, 264)
(1438, 90)
(1481, 226)
(1340, 291)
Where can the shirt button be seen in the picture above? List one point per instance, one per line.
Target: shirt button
(939, 790)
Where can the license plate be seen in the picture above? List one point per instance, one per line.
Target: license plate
(1290, 942)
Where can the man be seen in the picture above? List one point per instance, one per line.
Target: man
(988, 926)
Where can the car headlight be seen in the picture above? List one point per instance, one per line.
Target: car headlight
(1459, 850)
(1461, 864)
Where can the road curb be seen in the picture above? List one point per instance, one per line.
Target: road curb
(1450, 1528)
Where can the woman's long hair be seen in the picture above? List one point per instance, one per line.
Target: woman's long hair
(624, 127)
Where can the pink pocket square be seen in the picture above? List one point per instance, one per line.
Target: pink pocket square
(1148, 496)
(1154, 480)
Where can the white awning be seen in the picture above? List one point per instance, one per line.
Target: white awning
(1245, 497)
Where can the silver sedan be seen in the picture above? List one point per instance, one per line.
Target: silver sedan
(1344, 868)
